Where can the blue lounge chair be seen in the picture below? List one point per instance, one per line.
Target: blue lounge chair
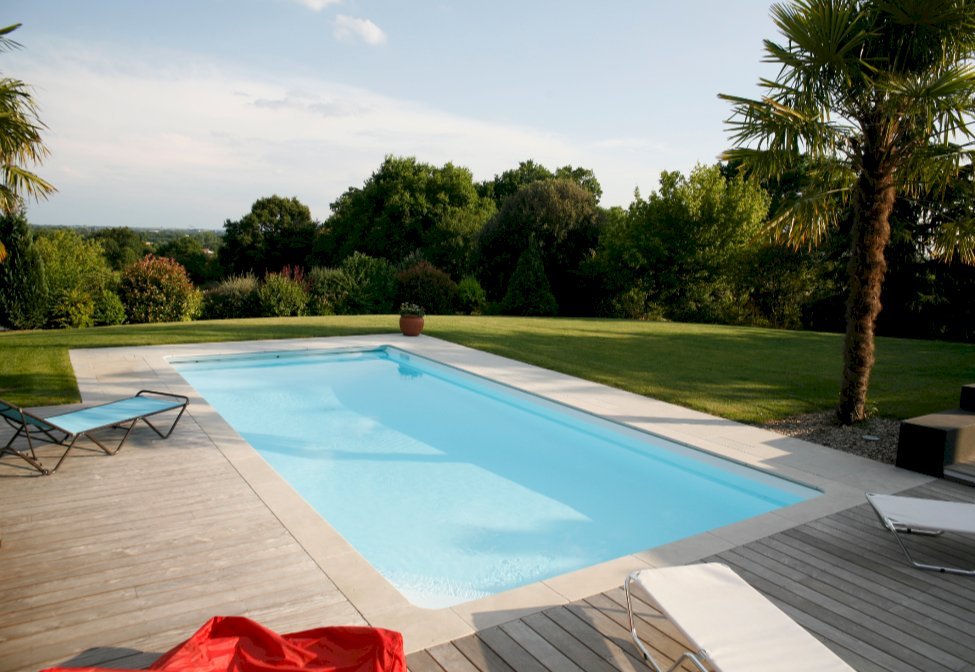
(65, 429)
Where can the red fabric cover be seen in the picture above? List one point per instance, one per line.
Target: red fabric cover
(237, 644)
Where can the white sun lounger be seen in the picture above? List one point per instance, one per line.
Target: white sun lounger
(930, 517)
(734, 627)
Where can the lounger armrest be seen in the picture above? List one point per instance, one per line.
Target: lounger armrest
(184, 400)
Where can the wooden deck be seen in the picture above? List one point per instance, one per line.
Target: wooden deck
(119, 558)
(114, 560)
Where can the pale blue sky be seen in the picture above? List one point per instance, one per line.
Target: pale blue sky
(182, 113)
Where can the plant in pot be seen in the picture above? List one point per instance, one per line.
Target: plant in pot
(410, 319)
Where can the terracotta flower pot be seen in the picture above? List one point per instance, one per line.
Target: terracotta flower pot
(411, 325)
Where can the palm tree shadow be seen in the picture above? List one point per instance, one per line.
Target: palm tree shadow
(112, 658)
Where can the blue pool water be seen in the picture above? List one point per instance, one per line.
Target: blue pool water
(454, 487)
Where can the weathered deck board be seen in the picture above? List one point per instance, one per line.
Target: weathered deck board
(119, 558)
(123, 558)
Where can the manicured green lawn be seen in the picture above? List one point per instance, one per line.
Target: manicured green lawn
(740, 373)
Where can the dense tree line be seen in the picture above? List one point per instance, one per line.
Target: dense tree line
(696, 249)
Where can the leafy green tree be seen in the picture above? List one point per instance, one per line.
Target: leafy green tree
(925, 297)
(876, 97)
(201, 264)
(121, 245)
(528, 291)
(584, 177)
(77, 274)
(564, 221)
(277, 232)
(510, 181)
(407, 206)
(680, 249)
(528, 172)
(20, 139)
(23, 285)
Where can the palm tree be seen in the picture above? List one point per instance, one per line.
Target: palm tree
(873, 100)
(20, 139)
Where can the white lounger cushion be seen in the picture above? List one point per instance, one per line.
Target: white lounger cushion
(925, 514)
(740, 630)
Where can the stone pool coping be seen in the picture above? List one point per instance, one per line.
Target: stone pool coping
(108, 373)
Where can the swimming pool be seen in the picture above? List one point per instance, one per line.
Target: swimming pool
(454, 487)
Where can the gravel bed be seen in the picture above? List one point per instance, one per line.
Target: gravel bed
(875, 438)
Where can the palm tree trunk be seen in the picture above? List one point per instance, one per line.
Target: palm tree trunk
(871, 231)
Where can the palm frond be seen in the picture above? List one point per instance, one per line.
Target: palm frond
(825, 42)
(6, 44)
(956, 238)
(934, 168)
(816, 205)
(23, 181)
(773, 126)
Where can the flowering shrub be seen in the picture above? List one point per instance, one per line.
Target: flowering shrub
(407, 309)
(157, 289)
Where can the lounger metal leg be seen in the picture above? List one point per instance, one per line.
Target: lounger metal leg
(27, 432)
(107, 450)
(921, 565)
(647, 658)
(30, 458)
(64, 455)
(171, 427)
(112, 451)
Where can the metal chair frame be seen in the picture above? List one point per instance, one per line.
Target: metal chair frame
(35, 428)
(897, 530)
(691, 656)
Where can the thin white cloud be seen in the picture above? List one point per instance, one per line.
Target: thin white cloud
(318, 5)
(191, 144)
(349, 28)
